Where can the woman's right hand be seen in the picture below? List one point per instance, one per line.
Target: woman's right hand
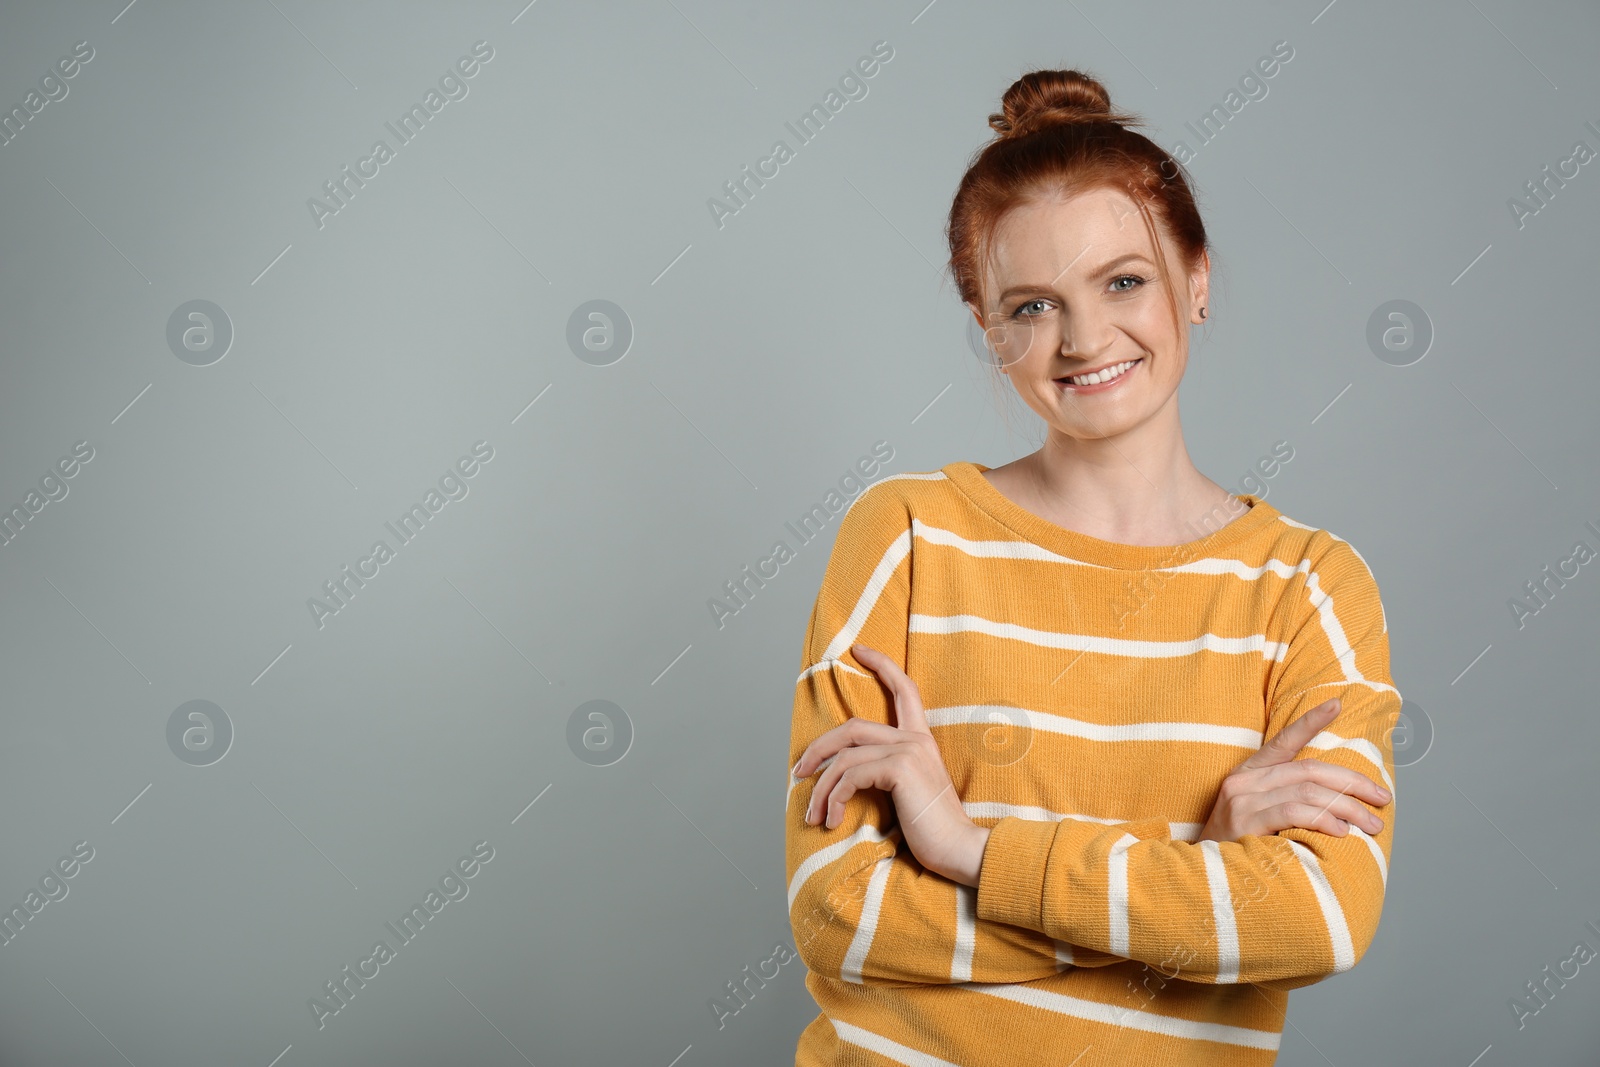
(1272, 791)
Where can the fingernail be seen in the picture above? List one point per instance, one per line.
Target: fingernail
(794, 772)
(1385, 794)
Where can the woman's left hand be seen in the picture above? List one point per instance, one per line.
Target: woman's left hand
(905, 762)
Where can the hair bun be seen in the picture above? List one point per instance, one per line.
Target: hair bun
(1044, 98)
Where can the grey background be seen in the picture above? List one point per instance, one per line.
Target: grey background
(768, 356)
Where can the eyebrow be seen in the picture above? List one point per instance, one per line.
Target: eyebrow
(1102, 270)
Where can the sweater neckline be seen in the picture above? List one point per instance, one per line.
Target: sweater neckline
(968, 477)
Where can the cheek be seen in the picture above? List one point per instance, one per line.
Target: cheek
(1152, 325)
(1169, 375)
(1171, 351)
(1044, 342)
(1022, 344)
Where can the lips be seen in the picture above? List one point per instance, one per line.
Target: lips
(1128, 366)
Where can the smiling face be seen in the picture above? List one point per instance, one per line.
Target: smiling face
(1078, 289)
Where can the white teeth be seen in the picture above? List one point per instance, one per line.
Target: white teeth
(1101, 376)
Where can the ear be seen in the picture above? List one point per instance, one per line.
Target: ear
(1200, 284)
(983, 326)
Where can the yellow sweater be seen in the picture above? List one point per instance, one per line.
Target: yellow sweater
(1088, 698)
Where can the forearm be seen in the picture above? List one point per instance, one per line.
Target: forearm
(1291, 907)
(864, 909)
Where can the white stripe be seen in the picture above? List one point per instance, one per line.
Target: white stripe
(1064, 959)
(824, 856)
(1003, 549)
(1327, 739)
(999, 809)
(1127, 1017)
(1111, 646)
(979, 714)
(888, 1049)
(1332, 628)
(1360, 746)
(1222, 913)
(1344, 950)
(881, 574)
(1375, 686)
(1117, 893)
(920, 476)
(1376, 850)
(1383, 615)
(1238, 567)
(856, 956)
(1018, 549)
(830, 664)
(966, 933)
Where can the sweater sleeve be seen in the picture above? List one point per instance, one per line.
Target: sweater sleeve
(862, 907)
(1283, 910)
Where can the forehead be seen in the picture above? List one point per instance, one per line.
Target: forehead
(1040, 239)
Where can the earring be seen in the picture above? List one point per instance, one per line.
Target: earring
(1202, 313)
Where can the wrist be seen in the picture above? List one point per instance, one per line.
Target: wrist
(969, 857)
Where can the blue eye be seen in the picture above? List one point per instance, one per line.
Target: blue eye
(1128, 277)
(1030, 303)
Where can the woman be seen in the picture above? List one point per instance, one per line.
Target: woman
(1091, 826)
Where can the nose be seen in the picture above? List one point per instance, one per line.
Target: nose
(1086, 334)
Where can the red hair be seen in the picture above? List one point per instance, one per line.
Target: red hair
(1056, 136)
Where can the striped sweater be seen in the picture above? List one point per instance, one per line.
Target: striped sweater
(1088, 698)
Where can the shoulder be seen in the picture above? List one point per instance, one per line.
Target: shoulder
(1333, 570)
(876, 528)
(894, 500)
(867, 577)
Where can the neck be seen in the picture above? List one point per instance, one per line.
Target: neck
(1131, 484)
